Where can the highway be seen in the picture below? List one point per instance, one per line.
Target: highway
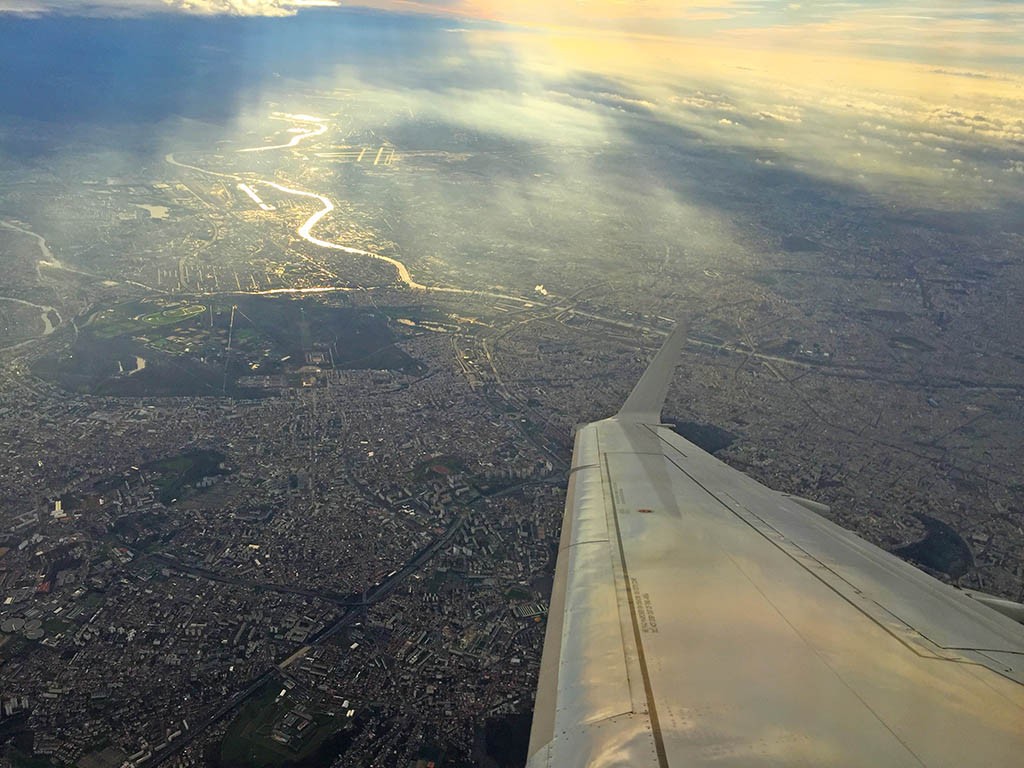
(173, 564)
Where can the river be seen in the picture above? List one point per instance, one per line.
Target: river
(48, 258)
(45, 316)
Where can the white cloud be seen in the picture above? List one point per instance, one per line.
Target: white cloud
(135, 7)
(701, 100)
(779, 116)
(233, 7)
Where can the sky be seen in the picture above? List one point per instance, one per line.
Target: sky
(977, 30)
(966, 39)
(926, 95)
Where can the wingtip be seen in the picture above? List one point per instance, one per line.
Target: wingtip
(647, 399)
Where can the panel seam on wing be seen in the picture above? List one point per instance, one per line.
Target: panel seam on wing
(628, 619)
(908, 635)
(605, 540)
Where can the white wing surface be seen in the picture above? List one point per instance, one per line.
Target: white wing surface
(699, 618)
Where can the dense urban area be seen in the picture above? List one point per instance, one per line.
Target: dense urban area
(284, 427)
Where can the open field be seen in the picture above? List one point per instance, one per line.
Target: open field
(249, 741)
(174, 314)
(176, 348)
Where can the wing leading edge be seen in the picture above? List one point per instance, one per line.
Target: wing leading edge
(700, 618)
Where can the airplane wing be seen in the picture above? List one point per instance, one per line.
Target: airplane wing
(699, 618)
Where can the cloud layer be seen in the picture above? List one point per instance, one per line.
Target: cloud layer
(956, 36)
(137, 7)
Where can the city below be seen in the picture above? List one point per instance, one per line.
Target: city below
(287, 402)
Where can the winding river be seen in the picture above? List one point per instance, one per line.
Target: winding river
(305, 231)
(48, 260)
(44, 315)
